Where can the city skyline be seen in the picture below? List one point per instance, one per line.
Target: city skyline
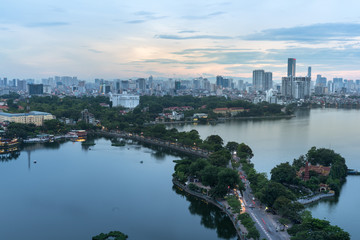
(183, 39)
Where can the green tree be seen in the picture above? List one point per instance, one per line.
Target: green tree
(299, 163)
(272, 190)
(220, 158)
(232, 146)
(228, 177)
(209, 175)
(197, 166)
(283, 173)
(244, 151)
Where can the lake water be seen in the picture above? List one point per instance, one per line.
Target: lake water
(75, 193)
(72, 192)
(277, 141)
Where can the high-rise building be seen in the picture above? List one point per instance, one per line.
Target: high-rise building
(296, 87)
(320, 81)
(142, 84)
(177, 85)
(258, 80)
(291, 67)
(150, 83)
(241, 85)
(35, 89)
(309, 72)
(268, 81)
(219, 81)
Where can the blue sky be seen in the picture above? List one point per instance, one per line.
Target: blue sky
(182, 39)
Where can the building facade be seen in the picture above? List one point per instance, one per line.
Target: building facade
(291, 67)
(125, 100)
(34, 117)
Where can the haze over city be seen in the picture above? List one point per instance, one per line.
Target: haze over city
(177, 39)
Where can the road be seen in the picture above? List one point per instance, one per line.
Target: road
(265, 222)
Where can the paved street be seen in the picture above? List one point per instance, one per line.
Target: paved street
(265, 222)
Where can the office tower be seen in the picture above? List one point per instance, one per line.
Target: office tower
(35, 89)
(196, 84)
(286, 86)
(219, 81)
(309, 72)
(291, 67)
(124, 84)
(226, 83)
(150, 82)
(296, 87)
(258, 80)
(177, 85)
(268, 81)
(142, 84)
(320, 81)
(21, 85)
(241, 85)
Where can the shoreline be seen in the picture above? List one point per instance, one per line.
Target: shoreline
(236, 223)
(315, 198)
(224, 119)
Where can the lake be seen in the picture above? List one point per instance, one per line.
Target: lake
(277, 141)
(73, 192)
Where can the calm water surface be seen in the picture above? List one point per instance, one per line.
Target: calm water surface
(74, 193)
(277, 141)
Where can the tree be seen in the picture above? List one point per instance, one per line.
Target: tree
(232, 146)
(283, 173)
(213, 142)
(323, 156)
(220, 158)
(209, 175)
(228, 177)
(272, 190)
(299, 163)
(288, 209)
(197, 166)
(244, 151)
(214, 139)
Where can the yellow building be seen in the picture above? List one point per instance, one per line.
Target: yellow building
(34, 117)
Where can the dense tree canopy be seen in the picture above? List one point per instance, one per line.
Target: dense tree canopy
(283, 173)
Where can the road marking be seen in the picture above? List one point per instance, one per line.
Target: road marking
(261, 226)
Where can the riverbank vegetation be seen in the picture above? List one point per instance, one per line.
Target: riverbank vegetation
(113, 235)
(284, 187)
(118, 118)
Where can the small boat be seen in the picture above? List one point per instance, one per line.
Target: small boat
(35, 161)
(141, 161)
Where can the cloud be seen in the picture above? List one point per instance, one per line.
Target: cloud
(199, 17)
(136, 21)
(311, 33)
(47, 24)
(177, 37)
(94, 50)
(144, 13)
(147, 16)
(205, 50)
(188, 31)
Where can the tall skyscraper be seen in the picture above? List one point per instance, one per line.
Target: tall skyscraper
(291, 67)
(309, 72)
(219, 81)
(268, 81)
(142, 85)
(258, 80)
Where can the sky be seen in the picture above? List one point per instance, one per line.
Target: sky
(114, 39)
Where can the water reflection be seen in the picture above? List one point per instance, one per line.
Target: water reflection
(9, 156)
(211, 216)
